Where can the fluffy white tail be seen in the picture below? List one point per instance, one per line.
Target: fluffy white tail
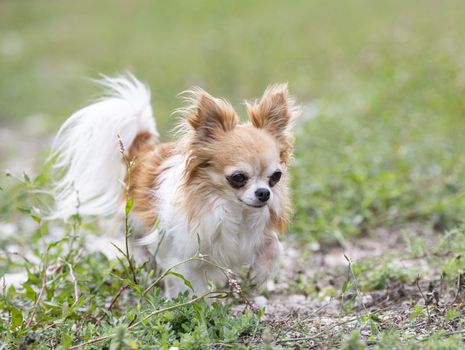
(87, 149)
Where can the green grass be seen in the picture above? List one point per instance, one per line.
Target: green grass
(388, 153)
(380, 143)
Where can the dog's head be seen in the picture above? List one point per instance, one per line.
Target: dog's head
(245, 163)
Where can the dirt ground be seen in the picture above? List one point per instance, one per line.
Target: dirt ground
(315, 318)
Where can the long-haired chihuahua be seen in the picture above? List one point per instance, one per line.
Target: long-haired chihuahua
(221, 189)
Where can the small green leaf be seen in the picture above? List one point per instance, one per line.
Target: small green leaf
(30, 293)
(16, 317)
(375, 318)
(118, 248)
(26, 177)
(129, 205)
(346, 286)
(56, 243)
(11, 291)
(451, 314)
(220, 295)
(66, 340)
(416, 312)
(24, 210)
(36, 218)
(374, 327)
(186, 282)
(52, 305)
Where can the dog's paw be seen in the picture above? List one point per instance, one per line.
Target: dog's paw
(266, 263)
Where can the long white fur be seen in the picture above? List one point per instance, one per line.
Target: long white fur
(87, 150)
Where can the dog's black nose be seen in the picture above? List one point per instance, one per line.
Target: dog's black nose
(263, 194)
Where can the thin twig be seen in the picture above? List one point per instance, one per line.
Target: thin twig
(192, 301)
(417, 281)
(194, 258)
(76, 289)
(129, 165)
(20, 255)
(91, 341)
(232, 282)
(133, 320)
(319, 334)
(317, 311)
(128, 257)
(76, 219)
(113, 302)
(448, 334)
(357, 290)
(459, 288)
(42, 290)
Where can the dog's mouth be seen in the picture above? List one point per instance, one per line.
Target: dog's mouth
(252, 205)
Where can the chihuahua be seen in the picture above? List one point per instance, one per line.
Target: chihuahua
(220, 190)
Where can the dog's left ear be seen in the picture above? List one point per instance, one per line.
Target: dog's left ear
(275, 113)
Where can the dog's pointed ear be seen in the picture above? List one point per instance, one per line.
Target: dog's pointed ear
(275, 112)
(209, 116)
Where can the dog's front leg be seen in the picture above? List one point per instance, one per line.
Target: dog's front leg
(266, 260)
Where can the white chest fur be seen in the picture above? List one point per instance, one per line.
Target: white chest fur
(230, 233)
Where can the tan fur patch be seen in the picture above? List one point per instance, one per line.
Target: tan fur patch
(147, 157)
(274, 113)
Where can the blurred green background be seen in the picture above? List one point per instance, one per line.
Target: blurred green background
(381, 141)
(232, 48)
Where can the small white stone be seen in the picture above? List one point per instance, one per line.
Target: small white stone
(260, 301)
(270, 285)
(297, 298)
(7, 229)
(12, 279)
(314, 247)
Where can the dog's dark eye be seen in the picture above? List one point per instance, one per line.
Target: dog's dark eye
(237, 180)
(274, 179)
